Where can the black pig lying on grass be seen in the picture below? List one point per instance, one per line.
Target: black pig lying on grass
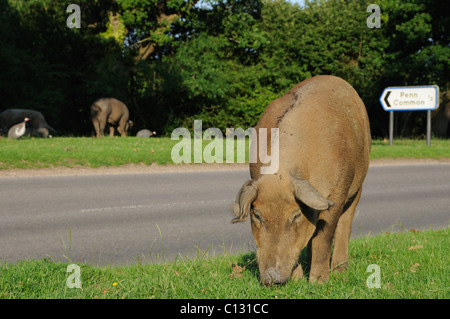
(36, 126)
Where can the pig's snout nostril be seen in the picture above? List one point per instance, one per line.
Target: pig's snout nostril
(272, 277)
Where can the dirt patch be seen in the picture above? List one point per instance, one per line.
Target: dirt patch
(154, 168)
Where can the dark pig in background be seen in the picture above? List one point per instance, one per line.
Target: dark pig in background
(36, 126)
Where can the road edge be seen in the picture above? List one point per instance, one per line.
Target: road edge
(155, 168)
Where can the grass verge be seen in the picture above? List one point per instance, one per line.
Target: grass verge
(407, 148)
(413, 264)
(84, 151)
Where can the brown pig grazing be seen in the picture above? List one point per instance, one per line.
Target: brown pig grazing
(324, 145)
(112, 111)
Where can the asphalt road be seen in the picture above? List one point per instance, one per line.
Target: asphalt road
(120, 219)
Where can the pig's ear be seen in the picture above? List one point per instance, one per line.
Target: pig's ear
(308, 195)
(244, 199)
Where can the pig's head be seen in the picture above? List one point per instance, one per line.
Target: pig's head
(283, 213)
(43, 132)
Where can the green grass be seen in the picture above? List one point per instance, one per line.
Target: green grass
(81, 151)
(407, 148)
(413, 264)
(89, 152)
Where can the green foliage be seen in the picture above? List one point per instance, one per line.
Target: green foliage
(222, 61)
(150, 23)
(54, 69)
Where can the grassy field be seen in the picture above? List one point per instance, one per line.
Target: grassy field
(85, 151)
(412, 264)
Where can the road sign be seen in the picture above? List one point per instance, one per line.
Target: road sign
(410, 98)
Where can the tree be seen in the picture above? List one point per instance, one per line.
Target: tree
(56, 70)
(221, 61)
(418, 52)
(149, 22)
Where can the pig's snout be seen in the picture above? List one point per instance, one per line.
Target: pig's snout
(272, 276)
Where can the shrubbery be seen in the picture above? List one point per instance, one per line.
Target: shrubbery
(221, 61)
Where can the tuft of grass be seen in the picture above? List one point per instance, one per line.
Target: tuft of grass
(116, 151)
(413, 264)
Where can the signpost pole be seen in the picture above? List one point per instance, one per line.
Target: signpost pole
(391, 127)
(428, 128)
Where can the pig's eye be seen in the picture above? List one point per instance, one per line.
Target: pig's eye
(257, 216)
(297, 215)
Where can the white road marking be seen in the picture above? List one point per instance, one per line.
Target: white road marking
(105, 209)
